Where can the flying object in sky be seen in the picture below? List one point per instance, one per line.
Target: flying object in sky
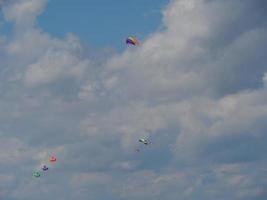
(36, 174)
(132, 41)
(144, 141)
(52, 159)
(44, 168)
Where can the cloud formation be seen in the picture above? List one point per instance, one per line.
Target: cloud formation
(196, 88)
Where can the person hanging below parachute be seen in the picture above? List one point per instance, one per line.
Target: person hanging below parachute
(132, 41)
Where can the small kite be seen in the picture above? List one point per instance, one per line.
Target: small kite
(132, 41)
(36, 174)
(44, 168)
(144, 141)
(52, 159)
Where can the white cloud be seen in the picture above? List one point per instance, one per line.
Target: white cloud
(24, 12)
(196, 88)
(54, 65)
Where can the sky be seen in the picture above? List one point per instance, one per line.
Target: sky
(102, 23)
(196, 88)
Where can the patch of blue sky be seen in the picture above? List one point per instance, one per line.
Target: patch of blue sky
(102, 23)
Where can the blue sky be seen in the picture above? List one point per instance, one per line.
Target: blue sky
(102, 23)
(196, 88)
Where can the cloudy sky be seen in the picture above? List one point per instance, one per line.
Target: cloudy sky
(196, 87)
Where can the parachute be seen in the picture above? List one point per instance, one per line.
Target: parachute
(132, 41)
(36, 174)
(52, 159)
(44, 168)
(144, 141)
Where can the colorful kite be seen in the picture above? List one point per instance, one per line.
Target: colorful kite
(52, 159)
(36, 174)
(44, 168)
(132, 41)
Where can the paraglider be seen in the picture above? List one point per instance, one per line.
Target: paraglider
(52, 159)
(36, 174)
(132, 41)
(144, 141)
(44, 168)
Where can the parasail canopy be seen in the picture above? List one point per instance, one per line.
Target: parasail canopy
(52, 159)
(132, 41)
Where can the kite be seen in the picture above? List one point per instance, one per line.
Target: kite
(132, 41)
(44, 168)
(144, 141)
(52, 159)
(36, 174)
